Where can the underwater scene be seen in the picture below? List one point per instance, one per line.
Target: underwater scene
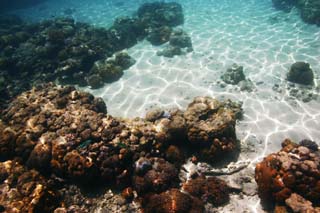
(159, 106)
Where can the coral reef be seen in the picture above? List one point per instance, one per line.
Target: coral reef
(24, 190)
(68, 136)
(179, 44)
(209, 189)
(172, 201)
(292, 170)
(154, 175)
(109, 70)
(301, 73)
(233, 75)
(159, 35)
(161, 14)
(63, 130)
(309, 9)
(76, 53)
(211, 127)
(297, 203)
(58, 49)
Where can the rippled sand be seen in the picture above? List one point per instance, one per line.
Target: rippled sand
(250, 33)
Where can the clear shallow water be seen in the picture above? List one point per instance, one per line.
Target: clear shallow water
(250, 33)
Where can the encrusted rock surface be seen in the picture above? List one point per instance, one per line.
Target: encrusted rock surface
(309, 9)
(211, 127)
(68, 136)
(179, 44)
(77, 53)
(161, 14)
(233, 75)
(294, 169)
(301, 73)
(172, 200)
(154, 175)
(211, 189)
(24, 190)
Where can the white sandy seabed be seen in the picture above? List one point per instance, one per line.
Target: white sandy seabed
(247, 32)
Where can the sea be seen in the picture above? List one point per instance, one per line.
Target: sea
(250, 33)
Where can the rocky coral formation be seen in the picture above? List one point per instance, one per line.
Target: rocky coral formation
(74, 52)
(209, 189)
(179, 44)
(235, 76)
(309, 9)
(172, 201)
(293, 170)
(293, 91)
(161, 14)
(160, 18)
(297, 203)
(67, 135)
(58, 49)
(109, 70)
(300, 73)
(63, 130)
(211, 127)
(154, 175)
(159, 35)
(23, 190)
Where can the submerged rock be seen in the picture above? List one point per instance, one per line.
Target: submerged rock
(67, 51)
(301, 73)
(172, 201)
(159, 35)
(211, 127)
(109, 70)
(161, 14)
(211, 189)
(179, 44)
(180, 38)
(24, 190)
(309, 9)
(294, 169)
(154, 175)
(233, 75)
(67, 135)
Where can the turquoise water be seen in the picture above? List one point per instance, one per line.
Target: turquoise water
(250, 33)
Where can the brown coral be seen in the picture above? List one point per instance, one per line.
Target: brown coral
(154, 175)
(66, 134)
(209, 189)
(211, 127)
(294, 169)
(25, 190)
(172, 201)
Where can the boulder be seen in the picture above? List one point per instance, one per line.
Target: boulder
(300, 73)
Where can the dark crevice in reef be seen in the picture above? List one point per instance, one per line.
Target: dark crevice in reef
(70, 52)
(309, 9)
